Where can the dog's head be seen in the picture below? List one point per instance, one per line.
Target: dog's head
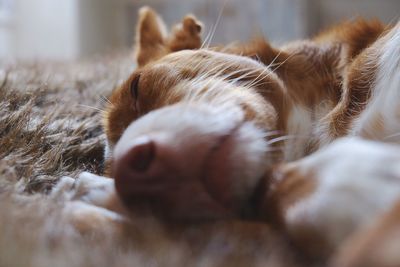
(189, 129)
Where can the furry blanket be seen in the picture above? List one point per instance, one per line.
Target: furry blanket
(50, 126)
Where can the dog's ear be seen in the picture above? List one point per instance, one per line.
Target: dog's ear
(153, 42)
(151, 35)
(186, 35)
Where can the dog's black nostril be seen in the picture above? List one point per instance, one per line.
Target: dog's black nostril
(142, 155)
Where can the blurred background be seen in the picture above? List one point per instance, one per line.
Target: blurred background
(76, 29)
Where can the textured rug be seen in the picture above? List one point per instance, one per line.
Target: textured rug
(50, 127)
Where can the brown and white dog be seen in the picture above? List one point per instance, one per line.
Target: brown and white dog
(303, 136)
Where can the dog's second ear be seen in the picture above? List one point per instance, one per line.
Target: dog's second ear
(151, 34)
(186, 35)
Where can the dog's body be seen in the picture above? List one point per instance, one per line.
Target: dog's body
(213, 133)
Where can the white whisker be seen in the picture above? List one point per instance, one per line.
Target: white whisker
(213, 30)
(94, 108)
(391, 136)
(284, 138)
(105, 99)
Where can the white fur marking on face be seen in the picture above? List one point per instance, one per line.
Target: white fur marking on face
(385, 96)
(299, 129)
(357, 181)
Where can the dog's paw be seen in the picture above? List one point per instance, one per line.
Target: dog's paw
(93, 189)
(88, 188)
(91, 205)
(63, 189)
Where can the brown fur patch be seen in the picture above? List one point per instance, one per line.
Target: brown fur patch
(357, 35)
(287, 186)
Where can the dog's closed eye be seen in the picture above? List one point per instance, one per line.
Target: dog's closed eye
(134, 91)
(134, 87)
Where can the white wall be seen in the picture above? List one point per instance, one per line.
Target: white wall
(5, 43)
(73, 29)
(331, 11)
(6, 27)
(278, 20)
(62, 29)
(102, 26)
(46, 29)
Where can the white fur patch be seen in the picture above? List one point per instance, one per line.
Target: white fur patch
(357, 181)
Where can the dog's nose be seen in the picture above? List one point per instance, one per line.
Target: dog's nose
(148, 166)
(135, 165)
(139, 156)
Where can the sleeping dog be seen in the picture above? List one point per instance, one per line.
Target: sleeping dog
(302, 136)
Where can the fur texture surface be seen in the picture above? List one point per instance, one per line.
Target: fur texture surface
(50, 128)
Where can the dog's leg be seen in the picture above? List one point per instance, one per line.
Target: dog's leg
(324, 198)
